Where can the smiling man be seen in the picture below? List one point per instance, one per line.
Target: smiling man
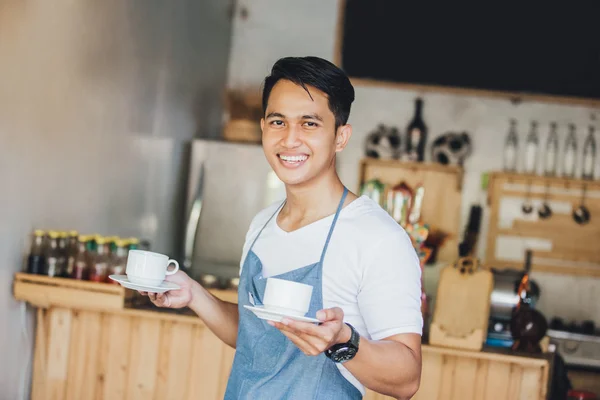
(362, 266)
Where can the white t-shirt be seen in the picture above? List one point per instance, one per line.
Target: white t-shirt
(370, 270)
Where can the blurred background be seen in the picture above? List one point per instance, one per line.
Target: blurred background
(119, 117)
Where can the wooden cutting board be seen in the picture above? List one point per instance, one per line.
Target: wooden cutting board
(462, 305)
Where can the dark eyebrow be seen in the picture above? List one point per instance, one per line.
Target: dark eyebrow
(313, 116)
(275, 115)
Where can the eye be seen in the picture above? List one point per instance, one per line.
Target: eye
(276, 122)
(311, 124)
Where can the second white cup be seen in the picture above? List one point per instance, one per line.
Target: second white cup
(148, 268)
(287, 296)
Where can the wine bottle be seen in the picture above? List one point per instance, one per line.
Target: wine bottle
(416, 135)
(531, 149)
(589, 155)
(570, 153)
(551, 154)
(511, 148)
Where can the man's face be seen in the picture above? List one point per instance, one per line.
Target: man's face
(299, 136)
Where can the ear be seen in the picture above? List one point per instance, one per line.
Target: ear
(262, 124)
(342, 137)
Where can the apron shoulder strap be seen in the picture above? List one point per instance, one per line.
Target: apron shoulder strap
(337, 214)
(265, 225)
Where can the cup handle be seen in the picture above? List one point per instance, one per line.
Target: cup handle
(171, 272)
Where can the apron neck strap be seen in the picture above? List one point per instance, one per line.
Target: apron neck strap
(265, 225)
(337, 214)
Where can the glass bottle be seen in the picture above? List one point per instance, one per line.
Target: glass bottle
(133, 243)
(52, 255)
(62, 254)
(589, 155)
(81, 260)
(511, 148)
(99, 264)
(551, 153)
(118, 260)
(35, 261)
(531, 149)
(416, 134)
(570, 155)
(72, 245)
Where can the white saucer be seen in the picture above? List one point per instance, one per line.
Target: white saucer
(163, 287)
(272, 315)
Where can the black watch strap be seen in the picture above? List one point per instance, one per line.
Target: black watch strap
(354, 336)
(342, 352)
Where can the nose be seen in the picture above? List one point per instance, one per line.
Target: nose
(291, 137)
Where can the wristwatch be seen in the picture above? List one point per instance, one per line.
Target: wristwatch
(342, 352)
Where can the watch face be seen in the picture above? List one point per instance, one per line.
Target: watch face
(344, 354)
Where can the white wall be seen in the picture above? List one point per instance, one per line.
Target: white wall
(96, 101)
(275, 29)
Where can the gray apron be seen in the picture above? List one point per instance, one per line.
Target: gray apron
(267, 365)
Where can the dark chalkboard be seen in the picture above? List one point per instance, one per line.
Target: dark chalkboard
(528, 48)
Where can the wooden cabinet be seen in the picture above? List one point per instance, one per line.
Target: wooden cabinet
(119, 353)
(146, 355)
(127, 355)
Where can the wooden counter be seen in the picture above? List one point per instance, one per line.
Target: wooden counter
(121, 353)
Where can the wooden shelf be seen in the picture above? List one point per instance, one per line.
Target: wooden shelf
(422, 167)
(440, 182)
(563, 246)
(539, 180)
(44, 292)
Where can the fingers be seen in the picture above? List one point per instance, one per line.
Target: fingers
(310, 341)
(330, 314)
(305, 346)
(307, 328)
(160, 299)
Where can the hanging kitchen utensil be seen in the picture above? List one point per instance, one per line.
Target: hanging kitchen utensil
(545, 211)
(581, 214)
(527, 207)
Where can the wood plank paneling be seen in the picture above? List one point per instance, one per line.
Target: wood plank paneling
(498, 381)
(227, 356)
(103, 366)
(90, 355)
(431, 372)
(481, 379)
(531, 384)
(514, 385)
(58, 353)
(205, 369)
(116, 338)
(447, 381)
(174, 360)
(83, 355)
(38, 385)
(464, 378)
(143, 358)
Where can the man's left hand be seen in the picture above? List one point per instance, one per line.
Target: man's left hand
(314, 339)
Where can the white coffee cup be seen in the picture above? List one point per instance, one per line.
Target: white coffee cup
(287, 296)
(148, 268)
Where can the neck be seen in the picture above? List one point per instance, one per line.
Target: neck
(315, 199)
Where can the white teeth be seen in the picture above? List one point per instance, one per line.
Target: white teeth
(293, 158)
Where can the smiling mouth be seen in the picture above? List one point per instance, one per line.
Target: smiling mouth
(292, 161)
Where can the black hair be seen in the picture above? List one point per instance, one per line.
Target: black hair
(316, 72)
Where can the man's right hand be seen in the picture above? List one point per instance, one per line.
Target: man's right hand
(174, 298)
